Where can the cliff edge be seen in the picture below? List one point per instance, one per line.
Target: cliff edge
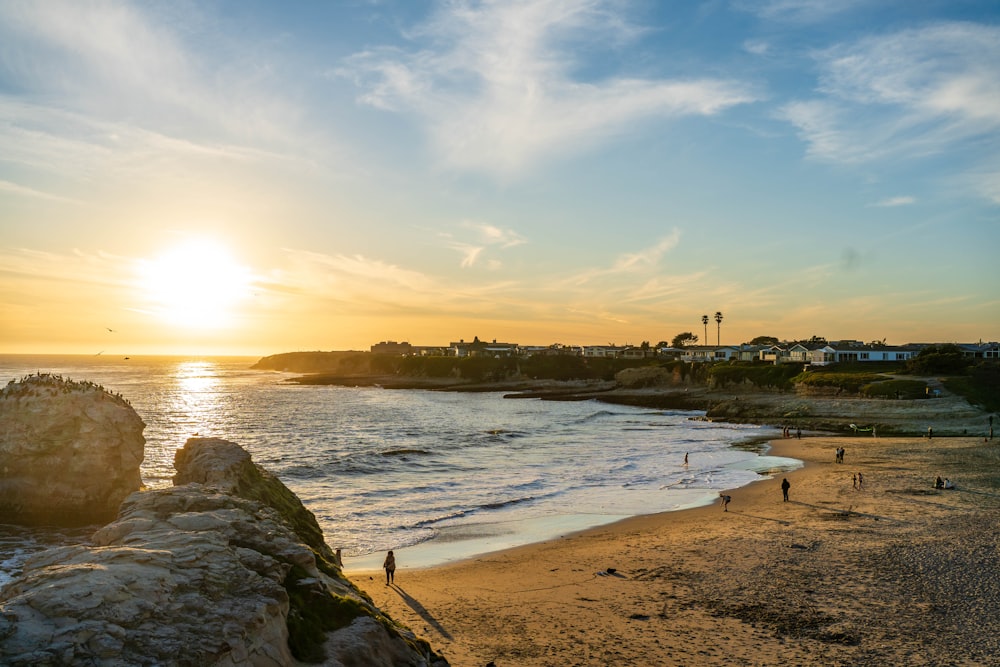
(227, 568)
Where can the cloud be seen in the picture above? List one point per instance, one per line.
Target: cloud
(891, 202)
(756, 47)
(796, 11)
(14, 188)
(912, 93)
(131, 84)
(505, 238)
(988, 186)
(496, 88)
(630, 263)
(486, 235)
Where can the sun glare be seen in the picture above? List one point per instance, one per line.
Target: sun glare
(195, 285)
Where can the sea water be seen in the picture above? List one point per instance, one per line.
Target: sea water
(438, 475)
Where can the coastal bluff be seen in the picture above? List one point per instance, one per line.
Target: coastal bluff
(226, 568)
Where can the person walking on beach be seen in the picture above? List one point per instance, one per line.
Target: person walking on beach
(725, 501)
(784, 488)
(685, 459)
(861, 481)
(390, 568)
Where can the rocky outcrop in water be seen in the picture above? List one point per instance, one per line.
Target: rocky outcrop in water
(69, 452)
(224, 571)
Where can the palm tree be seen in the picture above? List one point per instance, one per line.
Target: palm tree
(704, 320)
(718, 330)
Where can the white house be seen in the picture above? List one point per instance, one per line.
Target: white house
(706, 353)
(841, 352)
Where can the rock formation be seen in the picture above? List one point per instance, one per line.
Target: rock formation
(69, 452)
(227, 467)
(230, 570)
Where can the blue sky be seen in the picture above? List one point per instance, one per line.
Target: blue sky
(256, 177)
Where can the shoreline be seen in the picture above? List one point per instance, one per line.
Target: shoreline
(894, 573)
(810, 410)
(462, 542)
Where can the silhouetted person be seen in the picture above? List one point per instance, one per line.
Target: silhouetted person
(939, 483)
(725, 501)
(685, 459)
(784, 488)
(390, 568)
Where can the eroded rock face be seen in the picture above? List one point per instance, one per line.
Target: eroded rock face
(69, 452)
(183, 577)
(226, 466)
(198, 575)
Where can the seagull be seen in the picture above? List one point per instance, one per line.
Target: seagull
(111, 330)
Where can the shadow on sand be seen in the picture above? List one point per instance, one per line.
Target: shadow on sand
(783, 522)
(421, 611)
(845, 513)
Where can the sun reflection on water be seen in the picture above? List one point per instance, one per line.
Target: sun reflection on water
(191, 401)
(196, 377)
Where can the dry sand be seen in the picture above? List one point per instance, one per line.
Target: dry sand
(894, 573)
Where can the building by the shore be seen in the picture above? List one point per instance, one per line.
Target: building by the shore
(815, 353)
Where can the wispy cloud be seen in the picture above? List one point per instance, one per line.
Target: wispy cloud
(495, 83)
(756, 47)
(14, 188)
(892, 202)
(133, 84)
(797, 11)
(484, 236)
(912, 93)
(630, 263)
(988, 185)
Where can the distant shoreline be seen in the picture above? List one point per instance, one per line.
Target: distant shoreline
(948, 415)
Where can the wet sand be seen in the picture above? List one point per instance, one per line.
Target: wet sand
(893, 573)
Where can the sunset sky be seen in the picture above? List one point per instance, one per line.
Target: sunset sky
(259, 177)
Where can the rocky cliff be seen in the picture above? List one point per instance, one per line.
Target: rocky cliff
(69, 452)
(226, 568)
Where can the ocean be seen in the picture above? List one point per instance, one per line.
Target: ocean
(436, 476)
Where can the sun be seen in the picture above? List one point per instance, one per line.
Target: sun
(195, 285)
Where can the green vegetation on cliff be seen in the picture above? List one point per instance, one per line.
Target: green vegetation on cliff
(763, 376)
(980, 387)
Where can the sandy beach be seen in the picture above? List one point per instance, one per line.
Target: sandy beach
(893, 573)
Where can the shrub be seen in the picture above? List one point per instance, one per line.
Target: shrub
(908, 389)
(938, 359)
(850, 382)
(981, 387)
(760, 375)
